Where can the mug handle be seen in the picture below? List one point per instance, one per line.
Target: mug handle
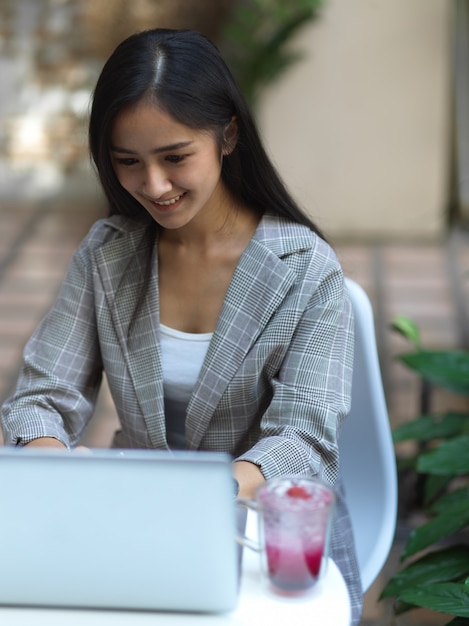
(243, 540)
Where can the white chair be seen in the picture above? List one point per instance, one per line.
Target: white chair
(366, 449)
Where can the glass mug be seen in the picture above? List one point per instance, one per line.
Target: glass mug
(294, 519)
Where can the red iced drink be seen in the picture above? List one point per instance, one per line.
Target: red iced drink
(296, 515)
(293, 568)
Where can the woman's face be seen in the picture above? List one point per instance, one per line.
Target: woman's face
(172, 170)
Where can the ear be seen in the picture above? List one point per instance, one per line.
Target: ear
(230, 136)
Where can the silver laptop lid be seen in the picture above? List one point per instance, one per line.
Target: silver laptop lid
(135, 529)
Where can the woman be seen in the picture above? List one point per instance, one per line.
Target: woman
(213, 304)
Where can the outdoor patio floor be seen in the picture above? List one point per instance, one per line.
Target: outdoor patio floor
(427, 282)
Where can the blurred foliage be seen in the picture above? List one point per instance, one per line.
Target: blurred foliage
(436, 557)
(255, 38)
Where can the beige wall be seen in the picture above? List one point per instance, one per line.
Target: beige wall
(360, 128)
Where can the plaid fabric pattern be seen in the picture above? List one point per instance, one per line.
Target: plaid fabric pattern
(275, 385)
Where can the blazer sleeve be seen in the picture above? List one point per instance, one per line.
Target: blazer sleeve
(61, 372)
(312, 391)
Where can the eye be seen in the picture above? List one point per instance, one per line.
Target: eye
(126, 162)
(175, 158)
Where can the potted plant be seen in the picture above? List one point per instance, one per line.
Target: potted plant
(435, 572)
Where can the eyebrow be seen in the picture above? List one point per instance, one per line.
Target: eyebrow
(171, 147)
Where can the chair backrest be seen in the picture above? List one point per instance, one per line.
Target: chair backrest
(368, 462)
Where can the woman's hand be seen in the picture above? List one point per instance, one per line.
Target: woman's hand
(51, 442)
(45, 442)
(249, 477)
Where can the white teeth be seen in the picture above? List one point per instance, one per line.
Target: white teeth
(169, 202)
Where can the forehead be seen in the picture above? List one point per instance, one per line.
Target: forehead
(146, 125)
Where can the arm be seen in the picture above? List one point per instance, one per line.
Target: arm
(249, 477)
(61, 371)
(298, 430)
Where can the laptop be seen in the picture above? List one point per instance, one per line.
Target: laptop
(118, 529)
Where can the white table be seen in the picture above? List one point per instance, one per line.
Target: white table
(328, 603)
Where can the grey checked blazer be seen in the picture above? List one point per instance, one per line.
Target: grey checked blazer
(275, 385)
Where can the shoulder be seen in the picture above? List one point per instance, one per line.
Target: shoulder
(286, 239)
(116, 227)
(116, 231)
(313, 261)
(283, 236)
(113, 239)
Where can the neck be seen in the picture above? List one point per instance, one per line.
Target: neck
(229, 223)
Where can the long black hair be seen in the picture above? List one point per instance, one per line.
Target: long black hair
(184, 74)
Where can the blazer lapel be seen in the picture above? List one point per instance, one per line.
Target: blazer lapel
(259, 284)
(128, 270)
(129, 273)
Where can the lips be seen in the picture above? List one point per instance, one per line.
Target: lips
(169, 202)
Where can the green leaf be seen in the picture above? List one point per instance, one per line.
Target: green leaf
(433, 486)
(451, 500)
(402, 607)
(451, 458)
(407, 328)
(440, 566)
(427, 427)
(448, 369)
(450, 598)
(458, 621)
(442, 525)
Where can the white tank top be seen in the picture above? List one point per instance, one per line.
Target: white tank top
(182, 355)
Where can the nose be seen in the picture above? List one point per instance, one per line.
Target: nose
(156, 182)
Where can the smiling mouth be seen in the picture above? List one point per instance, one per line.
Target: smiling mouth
(169, 202)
